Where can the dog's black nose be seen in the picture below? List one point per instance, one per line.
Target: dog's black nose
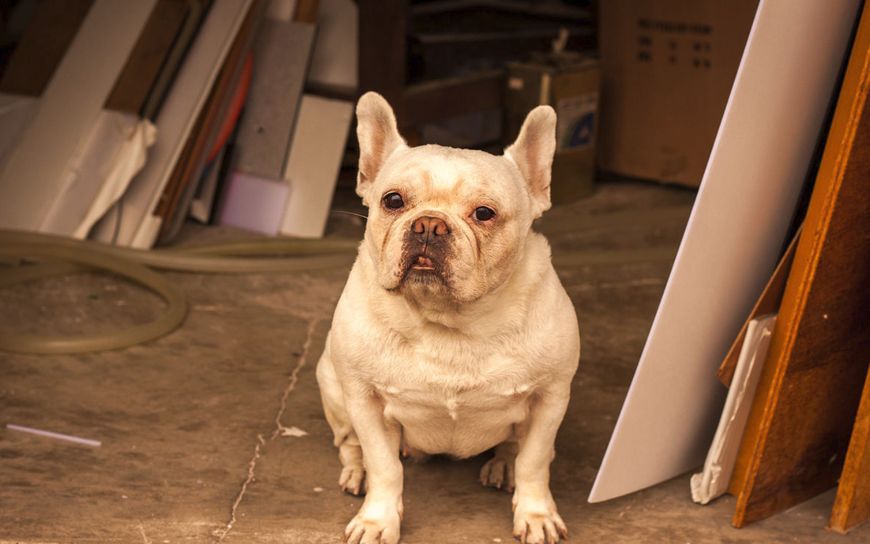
(429, 228)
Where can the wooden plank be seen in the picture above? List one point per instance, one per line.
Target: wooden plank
(175, 200)
(197, 10)
(802, 415)
(768, 303)
(137, 79)
(306, 11)
(852, 505)
(52, 29)
(33, 174)
(46, 38)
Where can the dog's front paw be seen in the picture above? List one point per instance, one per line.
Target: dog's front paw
(376, 523)
(536, 521)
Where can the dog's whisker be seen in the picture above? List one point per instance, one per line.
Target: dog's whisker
(351, 213)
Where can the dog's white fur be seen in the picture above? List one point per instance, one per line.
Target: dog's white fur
(476, 355)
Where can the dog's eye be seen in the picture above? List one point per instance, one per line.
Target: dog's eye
(483, 213)
(393, 201)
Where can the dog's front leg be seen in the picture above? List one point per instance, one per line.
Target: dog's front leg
(536, 519)
(377, 521)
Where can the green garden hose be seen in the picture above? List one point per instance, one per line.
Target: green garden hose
(56, 255)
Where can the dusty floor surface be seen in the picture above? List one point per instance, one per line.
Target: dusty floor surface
(193, 425)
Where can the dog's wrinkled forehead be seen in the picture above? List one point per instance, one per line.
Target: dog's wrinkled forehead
(526, 162)
(444, 174)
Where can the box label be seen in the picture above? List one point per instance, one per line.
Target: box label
(576, 121)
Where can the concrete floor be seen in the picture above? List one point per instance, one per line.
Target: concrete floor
(191, 425)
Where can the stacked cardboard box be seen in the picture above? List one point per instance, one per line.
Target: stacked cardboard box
(667, 67)
(569, 83)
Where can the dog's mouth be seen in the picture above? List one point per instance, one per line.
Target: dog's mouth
(423, 263)
(422, 267)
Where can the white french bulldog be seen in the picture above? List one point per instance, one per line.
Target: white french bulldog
(453, 334)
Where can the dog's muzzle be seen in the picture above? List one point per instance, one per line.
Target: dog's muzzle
(427, 244)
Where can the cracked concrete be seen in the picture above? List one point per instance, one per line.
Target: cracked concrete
(301, 360)
(280, 430)
(252, 472)
(197, 428)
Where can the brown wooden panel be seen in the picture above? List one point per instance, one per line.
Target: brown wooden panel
(148, 56)
(306, 11)
(768, 303)
(196, 12)
(852, 505)
(49, 33)
(801, 419)
(174, 201)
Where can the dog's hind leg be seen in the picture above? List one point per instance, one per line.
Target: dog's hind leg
(352, 478)
(498, 472)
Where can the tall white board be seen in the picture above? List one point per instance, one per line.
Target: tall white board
(746, 201)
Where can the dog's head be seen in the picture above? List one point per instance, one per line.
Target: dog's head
(445, 223)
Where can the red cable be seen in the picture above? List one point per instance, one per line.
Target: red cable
(235, 108)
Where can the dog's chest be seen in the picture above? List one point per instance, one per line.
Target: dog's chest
(436, 399)
(458, 402)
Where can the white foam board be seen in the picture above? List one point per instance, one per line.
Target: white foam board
(313, 164)
(254, 203)
(136, 225)
(32, 176)
(97, 173)
(713, 480)
(732, 241)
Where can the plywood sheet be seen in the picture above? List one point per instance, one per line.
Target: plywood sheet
(852, 505)
(808, 395)
(732, 242)
(767, 303)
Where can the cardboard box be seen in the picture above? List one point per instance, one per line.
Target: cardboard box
(569, 83)
(667, 67)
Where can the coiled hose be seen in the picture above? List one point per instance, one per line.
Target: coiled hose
(29, 256)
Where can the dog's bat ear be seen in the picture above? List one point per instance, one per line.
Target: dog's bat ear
(532, 153)
(378, 138)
